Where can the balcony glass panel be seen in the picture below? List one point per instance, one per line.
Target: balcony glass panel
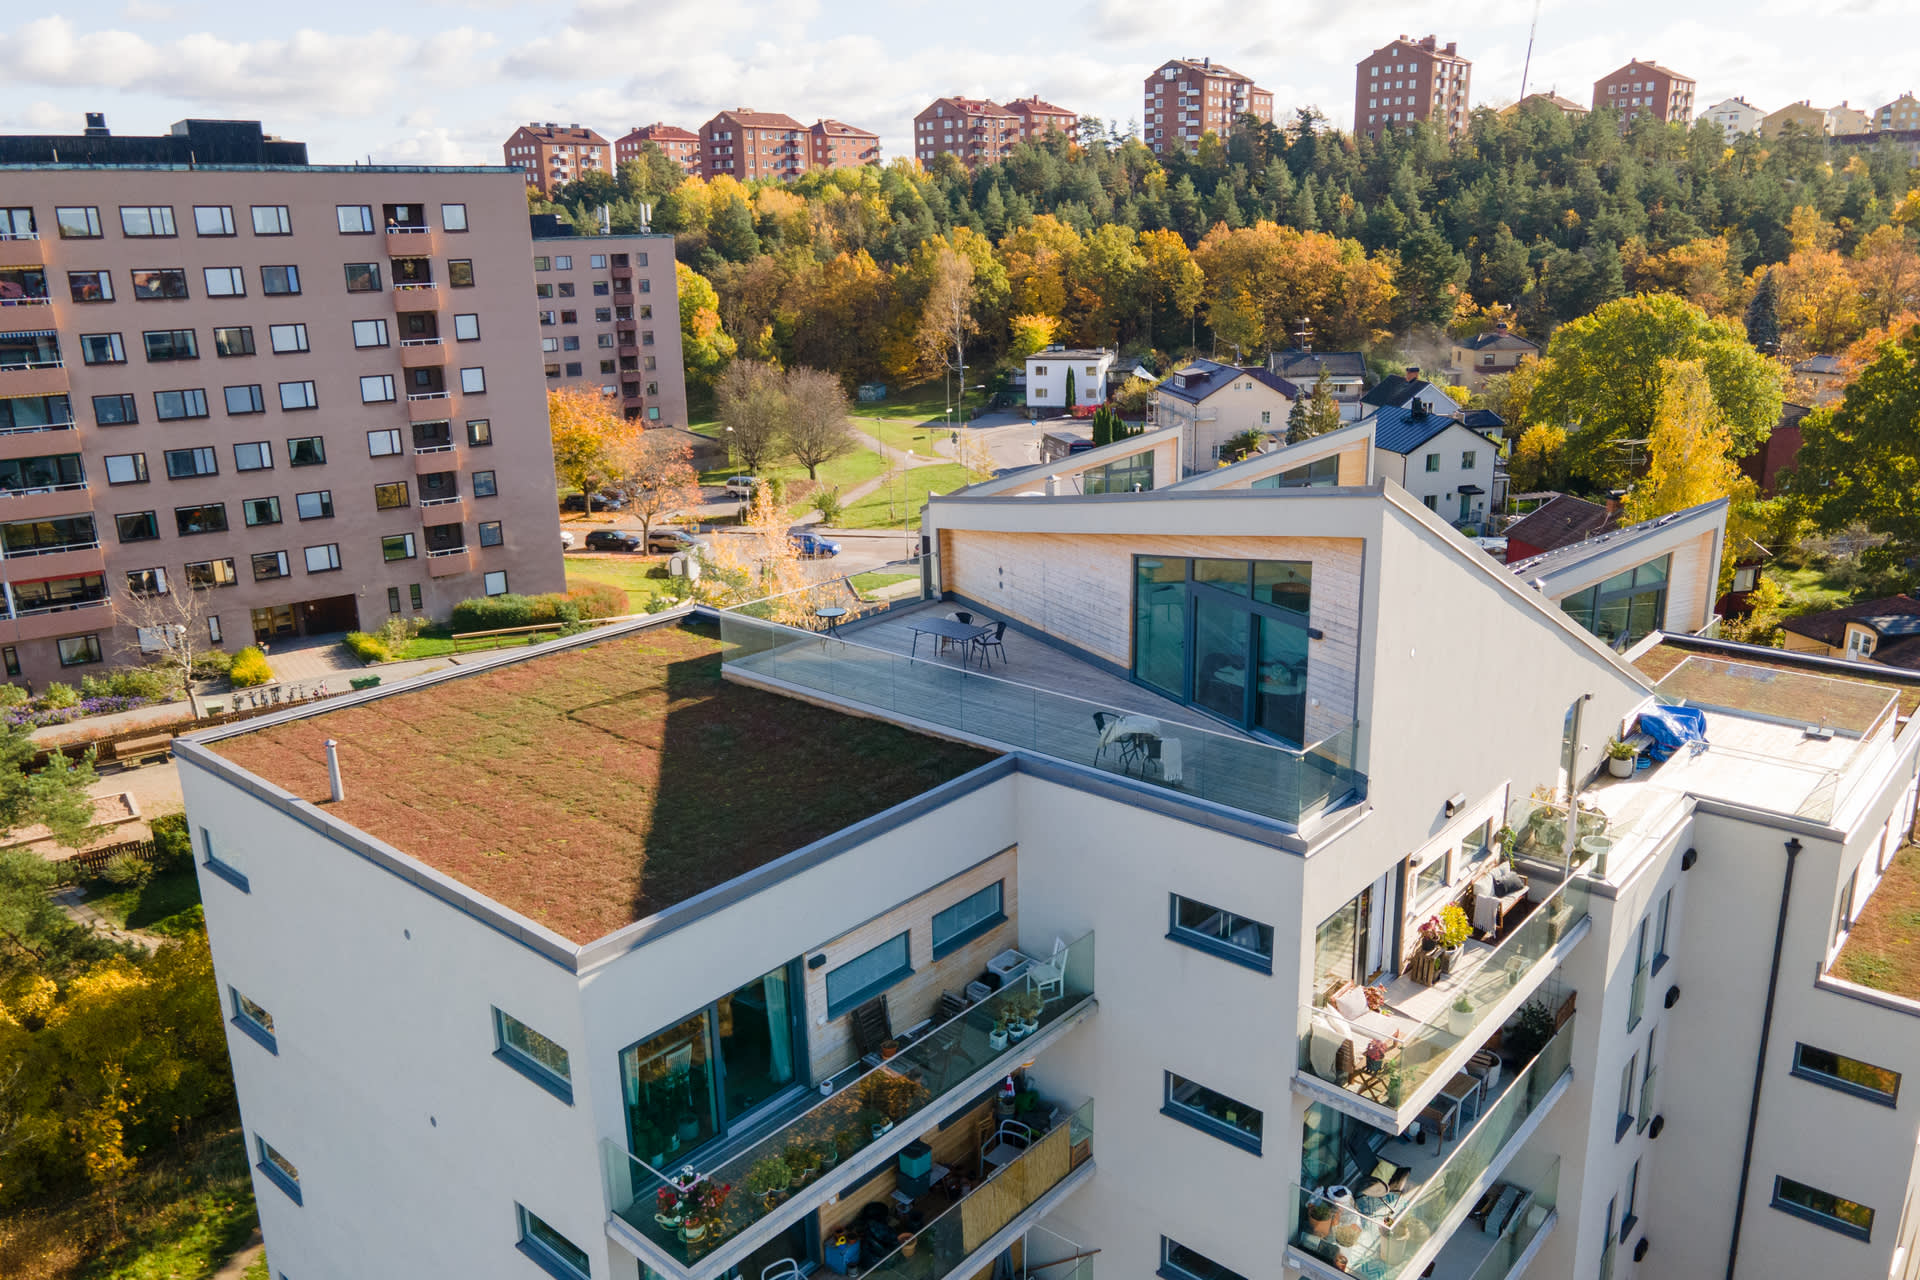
(1258, 777)
(1384, 1244)
(925, 1072)
(1416, 1046)
(962, 1230)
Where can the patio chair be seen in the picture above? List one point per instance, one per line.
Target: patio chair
(1003, 1145)
(1101, 719)
(870, 1027)
(946, 1040)
(990, 643)
(1051, 973)
(785, 1269)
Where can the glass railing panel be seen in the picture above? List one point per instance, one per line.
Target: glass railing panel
(949, 1239)
(1415, 1048)
(1519, 1236)
(1239, 772)
(727, 1198)
(1385, 1243)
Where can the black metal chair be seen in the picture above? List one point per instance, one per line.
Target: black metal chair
(1100, 721)
(990, 642)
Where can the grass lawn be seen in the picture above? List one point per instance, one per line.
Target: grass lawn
(841, 473)
(875, 581)
(911, 404)
(595, 786)
(627, 573)
(181, 1218)
(164, 904)
(1883, 948)
(875, 512)
(437, 641)
(1809, 590)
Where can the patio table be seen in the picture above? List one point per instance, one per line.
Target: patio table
(1132, 733)
(946, 629)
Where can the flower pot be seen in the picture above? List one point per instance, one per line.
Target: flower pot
(690, 1232)
(1460, 1022)
(689, 1129)
(907, 1245)
(1017, 1032)
(880, 1130)
(1319, 1226)
(671, 1221)
(888, 1049)
(1597, 847)
(1620, 767)
(997, 1041)
(1033, 1025)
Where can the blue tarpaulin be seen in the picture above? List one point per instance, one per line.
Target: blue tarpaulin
(1674, 727)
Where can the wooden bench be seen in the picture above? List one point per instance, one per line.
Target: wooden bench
(135, 752)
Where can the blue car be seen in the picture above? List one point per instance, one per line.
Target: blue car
(813, 546)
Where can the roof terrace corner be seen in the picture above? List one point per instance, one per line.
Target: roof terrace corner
(596, 785)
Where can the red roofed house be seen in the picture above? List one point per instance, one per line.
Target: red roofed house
(1036, 117)
(681, 146)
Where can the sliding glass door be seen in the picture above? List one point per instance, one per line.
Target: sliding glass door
(700, 1078)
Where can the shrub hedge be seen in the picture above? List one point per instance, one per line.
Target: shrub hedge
(368, 648)
(495, 613)
(249, 668)
(599, 600)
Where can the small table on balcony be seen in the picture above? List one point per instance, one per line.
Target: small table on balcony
(946, 629)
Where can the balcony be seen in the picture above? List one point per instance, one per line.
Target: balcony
(874, 1110)
(1331, 1235)
(32, 440)
(421, 353)
(411, 242)
(449, 561)
(1430, 1031)
(429, 406)
(47, 377)
(1025, 713)
(66, 560)
(421, 296)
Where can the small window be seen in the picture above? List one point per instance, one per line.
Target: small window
(363, 277)
(271, 220)
(413, 596)
(479, 432)
(490, 535)
(147, 582)
(397, 546)
(867, 975)
(268, 565)
(1823, 1207)
(316, 505)
(542, 263)
(1177, 1262)
(170, 406)
(389, 497)
(259, 511)
(1433, 462)
(127, 468)
(286, 339)
(280, 280)
(369, 333)
(383, 443)
(460, 272)
(90, 286)
(210, 518)
(1215, 1113)
(1225, 934)
(1660, 956)
(355, 219)
(80, 222)
(967, 919)
(1849, 1075)
(102, 348)
(323, 559)
(393, 599)
(115, 411)
(466, 328)
(170, 344)
(555, 1254)
(473, 381)
(253, 1019)
(1624, 1120)
(484, 484)
(137, 526)
(453, 217)
(211, 573)
(563, 262)
(295, 396)
(494, 584)
(1431, 877)
(280, 1171)
(234, 341)
(306, 451)
(532, 1054)
(375, 388)
(143, 221)
(1466, 460)
(256, 455)
(79, 651)
(225, 282)
(247, 399)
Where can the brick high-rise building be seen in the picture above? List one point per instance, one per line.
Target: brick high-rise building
(1187, 97)
(748, 144)
(834, 144)
(552, 155)
(680, 146)
(322, 373)
(1645, 88)
(974, 129)
(1036, 117)
(1409, 81)
(609, 313)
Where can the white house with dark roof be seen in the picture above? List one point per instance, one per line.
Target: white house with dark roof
(1215, 402)
(1498, 350)
(1443, 462)
(1345, 371)
(1048, 372)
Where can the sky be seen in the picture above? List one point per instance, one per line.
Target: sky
(438, 82)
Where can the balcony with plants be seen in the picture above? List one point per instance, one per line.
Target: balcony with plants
(871, 1131)
(1387, 1205)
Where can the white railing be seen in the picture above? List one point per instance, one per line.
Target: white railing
(45, 426)
(447, 551)
(43, 488)
(413, 284)
(429, 395)
(437, 502)
(407, 231)
(26, 302)
(60, 608)
(433, 448)
(33, 364)
(19, 235)
(419, 342)
(24, 552)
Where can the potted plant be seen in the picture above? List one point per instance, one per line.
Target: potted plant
(804, 1161)
(877, 1124)
(1030, 1006)
(1620, 759)
(666, 1208)
(847, 1141)
(1347, 1234)
(1319, 1217)
(1445, 933)
(997, 1039)
(1530, 1030)
(1503, 844)
(1016, 1014)
(689, 1127)
(829, 1152)
(769, 1179)
(888, 1048)
(1396, 1084)
(1376, 998)
(1460, 1016)
(908, 1241)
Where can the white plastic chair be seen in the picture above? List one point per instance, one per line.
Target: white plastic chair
(785, 1269)
(1049, 976)
(1002, 1147)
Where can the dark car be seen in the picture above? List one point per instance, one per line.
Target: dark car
(613, 540)
(813, 546)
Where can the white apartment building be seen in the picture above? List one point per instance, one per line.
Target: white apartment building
(1736, 116)
(1443, 463)
(1051, 373)
(494, 1020)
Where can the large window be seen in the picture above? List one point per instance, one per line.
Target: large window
(1626, 606)
(1215, 1113)
(967, 919)
(1128, 475)
(867, 975)
(553, 1252)
(532, 1054)
(1849, 1075)
(1228, 636)
(1222, 932)
(1322, 474)
(1835, 1213)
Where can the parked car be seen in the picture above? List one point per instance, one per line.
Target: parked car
(566, 539)
(670, 539)
(742, 486)
(813, 546)
(613, 540)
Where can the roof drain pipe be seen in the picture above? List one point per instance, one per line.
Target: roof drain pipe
(333, 771)
(1760, 1059)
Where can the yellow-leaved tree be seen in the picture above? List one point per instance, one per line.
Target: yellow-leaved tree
(1689, 458)
(1031, 335)
(585, 426)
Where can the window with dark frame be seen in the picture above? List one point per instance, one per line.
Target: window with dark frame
(210, 518)
(198, 461)
(1232, 937)
(268, 565)
(552, 1252)
(490, 535)
(868, 974)
(1848, 1075)
(115, 411)
(306, 451)
(532, 1054)
(1823, 1208)
(1212, 1112)
(137, 526)
(314, 505)
(234, 340)
(159, 283)
(253, 1019)
(260, 511)
(280, 1171)
(976, 914)
(324, 558)
(1177, 1262)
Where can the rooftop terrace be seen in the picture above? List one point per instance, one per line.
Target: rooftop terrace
(1882, 949)
(593, 787)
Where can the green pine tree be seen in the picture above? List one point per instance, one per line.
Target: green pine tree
(1763, 316)
(1073, 400)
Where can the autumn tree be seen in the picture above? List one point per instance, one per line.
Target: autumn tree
(816, 419)
(1031, 335)
(1171, 282)
(654, 469)
(751, 403)
(585, 425)
(946, 317)
(1287, 276)
(1315, 413)
(1688, 451)
(1859, 462)
(169, 626)
(705, 347)
(1603, 376)
(1886, 270)
(1539, 461)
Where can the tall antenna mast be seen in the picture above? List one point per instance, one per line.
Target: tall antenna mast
(1527, 65)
